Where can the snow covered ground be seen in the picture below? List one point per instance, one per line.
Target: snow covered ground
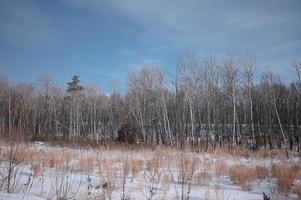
(45, 172)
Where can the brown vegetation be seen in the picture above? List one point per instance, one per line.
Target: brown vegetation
(86, 163)
(221, 167)
(202, 178)
(261, 172)
(285, 177)
(189, 168)
(243, 175)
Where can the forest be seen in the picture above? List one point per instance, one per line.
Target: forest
(205, 104)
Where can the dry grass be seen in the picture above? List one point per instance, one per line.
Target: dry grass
(56, 159)
(103, 165)
(202, 178)
(86, 163)
(157, 182)
(153, 165)
(221, 168)
(191, 167)
(107, 190)
(135, 166)
(71, 155)
(36, 169)
(297, 190)
(243, 175)
(187, 169)
(207, 163)
(166, 180)
(247, 153)
(285, 177)
(261, 172)
(21, 154)
(219, 192)
(296, 168)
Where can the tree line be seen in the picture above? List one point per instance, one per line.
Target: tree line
(205, 104)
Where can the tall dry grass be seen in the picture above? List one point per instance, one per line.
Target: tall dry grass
(243, 175)
(86, 163)
(202, 178)
(221, 168)
(261, 172)
(188, 167)
(135, 165)
(297, 191)
(285, 177)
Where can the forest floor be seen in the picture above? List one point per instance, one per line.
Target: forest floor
(40, 171)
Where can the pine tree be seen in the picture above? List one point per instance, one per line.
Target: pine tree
(75, 91)
(74, 86)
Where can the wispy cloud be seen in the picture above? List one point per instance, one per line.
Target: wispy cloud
(23, 24)
(223, 25)
(106, 39)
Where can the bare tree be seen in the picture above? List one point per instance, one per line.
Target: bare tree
(297, 74)
(189, 81)
(231, 75)
(144, 90)
(249, 65)
(210, 77)
(205, 104)
(273, 83)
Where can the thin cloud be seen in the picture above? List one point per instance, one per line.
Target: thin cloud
(23, 24)
(207, 24)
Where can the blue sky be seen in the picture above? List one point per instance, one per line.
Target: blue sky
(104, 40)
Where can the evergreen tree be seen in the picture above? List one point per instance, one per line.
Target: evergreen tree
(74, 86)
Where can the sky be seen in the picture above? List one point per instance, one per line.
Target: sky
(103, 40)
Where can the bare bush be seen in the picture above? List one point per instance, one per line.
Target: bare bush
(108, 188)
(186, 172)
(124, 173)
(66, 185)
(154, 178)
(9, 174)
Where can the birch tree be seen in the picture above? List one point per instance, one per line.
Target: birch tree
(231, 75)
(296, 66)
(249, 66)
(273, 83)
(210, 78)
(189, 80)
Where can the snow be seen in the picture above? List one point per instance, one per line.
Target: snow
(77, 184)
(6, 196)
